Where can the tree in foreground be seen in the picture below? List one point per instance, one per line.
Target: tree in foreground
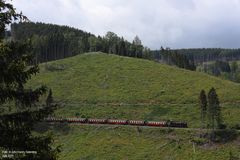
(214, 110)
(203, 106)
(16, 127)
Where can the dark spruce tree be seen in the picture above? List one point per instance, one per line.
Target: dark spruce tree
(203, 107)
(16, 68)
(214, 110)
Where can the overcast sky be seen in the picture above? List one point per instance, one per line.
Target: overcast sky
(168, 23)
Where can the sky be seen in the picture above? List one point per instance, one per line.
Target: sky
(167, 23)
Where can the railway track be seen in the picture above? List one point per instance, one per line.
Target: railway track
(118, 122)
(124, 123)
(132, 126)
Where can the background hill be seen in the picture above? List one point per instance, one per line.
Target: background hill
(51, 42)
(109, 86)
(102, 78)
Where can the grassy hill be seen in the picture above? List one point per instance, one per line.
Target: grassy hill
(102, 78)
(108, 86)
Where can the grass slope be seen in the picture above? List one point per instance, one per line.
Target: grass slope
(108, 86)
(103, 78)
(130, 143)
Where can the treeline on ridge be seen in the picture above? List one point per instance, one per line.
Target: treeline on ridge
(171, 57)
(200, 55)
(51, 42)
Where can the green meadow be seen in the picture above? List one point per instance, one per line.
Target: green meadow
(114, 142)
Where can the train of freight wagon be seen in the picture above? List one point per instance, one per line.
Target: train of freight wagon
(119, 122)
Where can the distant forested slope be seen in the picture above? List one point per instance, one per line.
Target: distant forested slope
(205, 54)
(51, 42)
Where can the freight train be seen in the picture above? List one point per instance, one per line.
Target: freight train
(119, 122)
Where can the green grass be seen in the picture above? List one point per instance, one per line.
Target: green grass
(98, 85)
(92, 142)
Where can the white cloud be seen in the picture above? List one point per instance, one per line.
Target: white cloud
(173, 23)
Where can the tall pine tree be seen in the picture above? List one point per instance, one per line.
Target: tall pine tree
(16, 127)
(214, 109)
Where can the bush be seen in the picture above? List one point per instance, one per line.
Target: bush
(223, 135)
(77, 114)
(222, 126)
(237, 126)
